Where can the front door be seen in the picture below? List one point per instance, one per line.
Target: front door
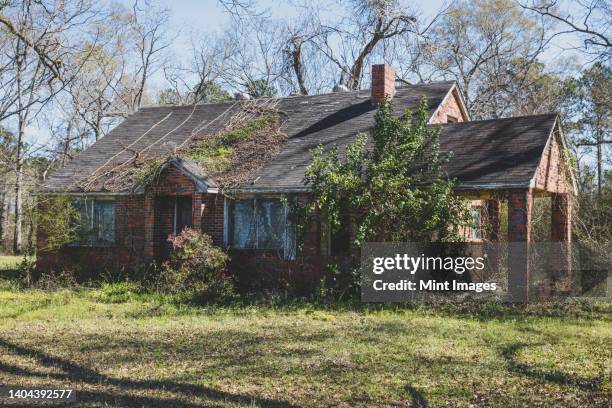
(172, 215)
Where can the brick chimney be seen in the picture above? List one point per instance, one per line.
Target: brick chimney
(383, 82)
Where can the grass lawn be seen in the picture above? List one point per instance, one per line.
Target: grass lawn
(9, 262)
(145, 351)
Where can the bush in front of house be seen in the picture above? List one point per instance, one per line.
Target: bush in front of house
(196, 265)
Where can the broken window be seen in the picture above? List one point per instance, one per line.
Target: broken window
(476, 228)
(96, 223)
(262, 223)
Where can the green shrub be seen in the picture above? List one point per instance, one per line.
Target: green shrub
(57, 219)
(196, 265)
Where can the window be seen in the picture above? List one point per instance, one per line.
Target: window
(451, 119)
(476, 228)
(97, 223)
(182, 214)
(261, 223)
(341, 237)
(336, 241)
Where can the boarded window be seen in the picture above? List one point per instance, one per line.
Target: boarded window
(261, 223)
(476, 229)
(97, 222)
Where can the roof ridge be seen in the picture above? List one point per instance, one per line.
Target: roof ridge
(551, 115)
(349, 92)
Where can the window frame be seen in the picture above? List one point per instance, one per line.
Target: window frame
(176, 214)
(288, 241)
(89, 205)
(476, 228)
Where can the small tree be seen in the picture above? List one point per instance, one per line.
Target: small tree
(57, 219)
(395, 187)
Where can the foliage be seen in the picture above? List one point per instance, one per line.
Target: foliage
(55, 280)
(147, 174)
(591, 122)
(399, 189)
(204, 92)
(210, 92)
(196, 265)
(593, 220)
(215, 153)
(57, 220)
(339, 285)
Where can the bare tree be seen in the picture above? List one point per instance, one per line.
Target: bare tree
(149, 30)
(254, 58)
(372, 22)
(199, 79)
(42, 37)
(589, 19)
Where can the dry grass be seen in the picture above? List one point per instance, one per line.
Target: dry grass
(148, 351)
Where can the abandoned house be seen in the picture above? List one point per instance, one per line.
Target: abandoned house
(237, 200)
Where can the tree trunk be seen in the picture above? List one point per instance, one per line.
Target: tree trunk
(17, 238)
(2, 197)
(599, 160)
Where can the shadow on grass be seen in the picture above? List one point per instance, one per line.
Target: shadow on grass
(418, 399)
(509, 353)
(80, 374)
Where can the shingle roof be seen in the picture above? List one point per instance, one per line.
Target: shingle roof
(486, 154)
(308, 121)
(498, 152)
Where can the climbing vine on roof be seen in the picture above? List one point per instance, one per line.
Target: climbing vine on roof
(231, 155)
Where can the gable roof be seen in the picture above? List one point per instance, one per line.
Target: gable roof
(488, 154)
(307, 121)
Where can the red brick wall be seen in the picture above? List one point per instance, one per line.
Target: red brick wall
(449, 107)
(212, 216)
(383, 82)
(141, 226)
(552, 173)
(127, 253)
